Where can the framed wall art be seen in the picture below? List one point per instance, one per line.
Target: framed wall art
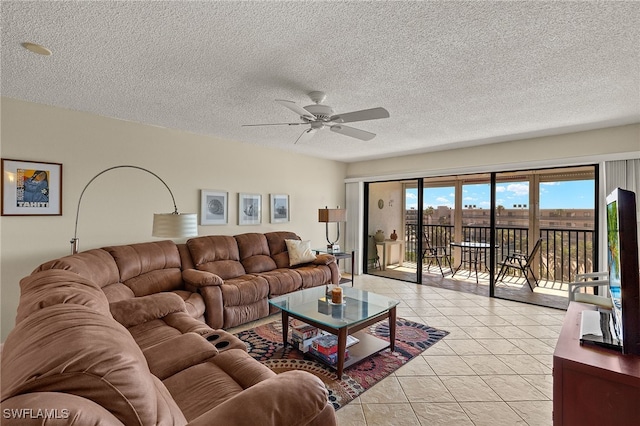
(249, 209)
(31, 188)
(213, 207)
(279, 206)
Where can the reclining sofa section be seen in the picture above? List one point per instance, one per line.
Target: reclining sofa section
(224, 281)
(251, 268)
(76, 357)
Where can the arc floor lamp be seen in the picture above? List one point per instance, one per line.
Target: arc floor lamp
(165, 225)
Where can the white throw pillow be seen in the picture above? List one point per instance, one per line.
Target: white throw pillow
(299, 252)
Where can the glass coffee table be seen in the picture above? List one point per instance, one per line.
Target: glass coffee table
(359, 310)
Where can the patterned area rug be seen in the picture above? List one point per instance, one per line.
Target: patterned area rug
(264, 343)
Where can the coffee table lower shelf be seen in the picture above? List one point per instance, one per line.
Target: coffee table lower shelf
(341, 330)
(367, 346)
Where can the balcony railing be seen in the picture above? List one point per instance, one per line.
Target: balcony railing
(563, 254)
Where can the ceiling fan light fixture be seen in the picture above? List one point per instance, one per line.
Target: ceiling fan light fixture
(322, 112)
(319, 116)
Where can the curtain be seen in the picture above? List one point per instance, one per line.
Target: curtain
(623, 174)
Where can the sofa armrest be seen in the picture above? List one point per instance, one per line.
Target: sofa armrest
(200, 279)
(138, 310)
(324, 259)
(290, 398)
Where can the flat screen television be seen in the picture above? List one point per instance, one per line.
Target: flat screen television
(624, 274)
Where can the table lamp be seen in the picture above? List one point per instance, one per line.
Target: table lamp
(336, 216)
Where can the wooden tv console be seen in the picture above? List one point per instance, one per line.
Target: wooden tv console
(592, 385)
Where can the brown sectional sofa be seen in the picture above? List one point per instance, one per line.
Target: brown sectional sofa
(116, 336)
(225, 281)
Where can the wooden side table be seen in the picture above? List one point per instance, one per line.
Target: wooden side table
(386, 252)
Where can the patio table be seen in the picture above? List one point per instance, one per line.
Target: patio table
(472, 248)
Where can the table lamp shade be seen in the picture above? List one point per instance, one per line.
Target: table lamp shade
(175, 225)
(327, 215)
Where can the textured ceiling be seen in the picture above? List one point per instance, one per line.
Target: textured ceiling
(451, 74)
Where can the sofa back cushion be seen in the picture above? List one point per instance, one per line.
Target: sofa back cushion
(217, 254)
(254, 253)
(278, 247)
(148, 268)
(76, 350)
(96, 265)
(57, 286)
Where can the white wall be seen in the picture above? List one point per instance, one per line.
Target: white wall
(118, 206)
(588, 147)
(389, 218)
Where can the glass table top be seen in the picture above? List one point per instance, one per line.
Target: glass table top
(313, 304)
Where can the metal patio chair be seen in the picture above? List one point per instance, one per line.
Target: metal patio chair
(521, 262)
(437, 253)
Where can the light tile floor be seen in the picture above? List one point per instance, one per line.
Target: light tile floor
(494, 368)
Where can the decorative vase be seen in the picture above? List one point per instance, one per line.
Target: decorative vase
(379, 237)
(394, 236)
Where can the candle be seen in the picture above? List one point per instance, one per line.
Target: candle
(336, 295)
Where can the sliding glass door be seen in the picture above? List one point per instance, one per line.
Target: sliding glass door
(545, 219)
(392, 242)
(458, 231)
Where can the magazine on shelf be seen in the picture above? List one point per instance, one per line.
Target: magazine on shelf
(330, 359)
(304, 344)
(328, 343)
(302, 330)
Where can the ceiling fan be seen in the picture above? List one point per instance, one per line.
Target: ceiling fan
(319, 116)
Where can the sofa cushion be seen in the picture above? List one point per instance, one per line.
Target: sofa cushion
(96, 265)
(244, 299)
(244, 290)
(305, 396)
(278, 248)
(117, 292)
(153, 332)
(217, 254)
(148, 268)
(254, 253)
(282, 281)
(57, 286)
(314, 275)
(172, 356)
(299, 252)
(242, 314)
(193, 302)
(220, 379)
(49, 352)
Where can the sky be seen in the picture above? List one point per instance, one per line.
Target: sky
(576, 194)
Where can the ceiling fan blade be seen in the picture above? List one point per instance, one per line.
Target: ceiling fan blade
(273, 124)
(296, 108)
(306, 135)
(365, 114)
(353, 132)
